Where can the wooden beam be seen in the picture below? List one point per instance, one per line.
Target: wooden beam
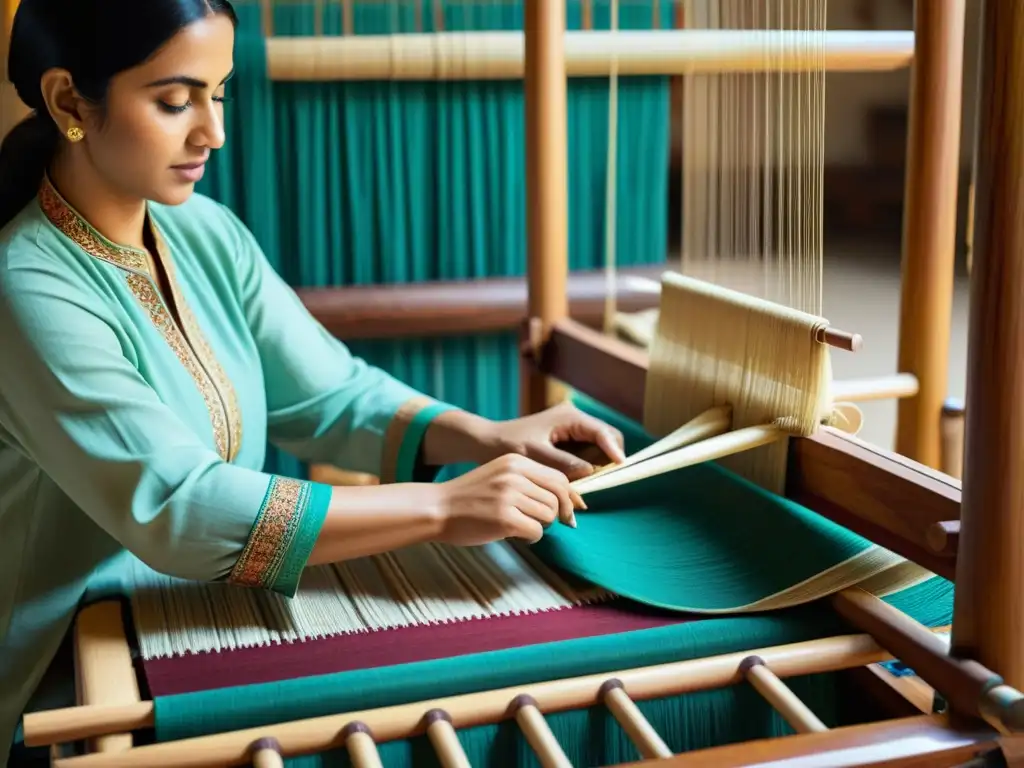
(989, 608)
(880, 495)
(467, 306)
(877, 494)
(917, 742)
(499, 55)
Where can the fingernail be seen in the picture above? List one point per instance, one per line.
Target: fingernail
(572, 520)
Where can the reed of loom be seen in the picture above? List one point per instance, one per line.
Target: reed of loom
(877, 491)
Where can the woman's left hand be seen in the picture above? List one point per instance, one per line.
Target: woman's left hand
(539, 436)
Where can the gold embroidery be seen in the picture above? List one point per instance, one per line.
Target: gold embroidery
(275, 528)
(67, 220)
(197, 357)
(232, 428)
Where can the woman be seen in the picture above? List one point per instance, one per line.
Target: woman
(157, 351)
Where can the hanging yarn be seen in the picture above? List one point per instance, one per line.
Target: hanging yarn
(715, 347)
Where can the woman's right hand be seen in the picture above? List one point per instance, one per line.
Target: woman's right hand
(509, 497)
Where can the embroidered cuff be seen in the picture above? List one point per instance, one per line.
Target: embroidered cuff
(283, 536)
(404, 437)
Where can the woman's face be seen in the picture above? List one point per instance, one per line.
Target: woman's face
(161, 119)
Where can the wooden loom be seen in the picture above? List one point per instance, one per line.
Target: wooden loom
(865, 489)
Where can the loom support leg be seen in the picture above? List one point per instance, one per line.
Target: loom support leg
(929, 223)
(547, 188)
(989, 609)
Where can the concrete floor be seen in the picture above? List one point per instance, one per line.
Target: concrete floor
(862, 295)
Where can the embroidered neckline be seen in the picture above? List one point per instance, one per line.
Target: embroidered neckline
(186, 341)
(68, 220)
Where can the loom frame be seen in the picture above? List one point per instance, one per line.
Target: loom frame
(551, 339)
(989, 513)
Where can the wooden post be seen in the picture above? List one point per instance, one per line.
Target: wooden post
(9, 8)
(929, 222)
(547, 184)
(989, 608)
(12, 111)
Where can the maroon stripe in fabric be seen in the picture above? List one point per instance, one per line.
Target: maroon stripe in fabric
(395, 646)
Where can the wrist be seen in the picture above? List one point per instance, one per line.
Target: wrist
(458, 436)
(370, 519)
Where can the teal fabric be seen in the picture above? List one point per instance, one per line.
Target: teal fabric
(409, 451)
(696, 539)
(120, 433)
(358, 183)
(315, 499)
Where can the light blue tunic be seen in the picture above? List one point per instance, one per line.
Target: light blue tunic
(124, 433)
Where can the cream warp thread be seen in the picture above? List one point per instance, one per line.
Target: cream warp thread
(718, 347)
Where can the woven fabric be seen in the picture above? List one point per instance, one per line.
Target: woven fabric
(701, 539)
(589, 736)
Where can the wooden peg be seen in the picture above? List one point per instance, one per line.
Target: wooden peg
(944, 537)
(780, 696)
(266, 753)
(538, 734)
(851, 342)
(360, 745)
(443, 738)
(632, 720)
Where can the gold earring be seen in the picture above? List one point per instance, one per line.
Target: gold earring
(75, 134)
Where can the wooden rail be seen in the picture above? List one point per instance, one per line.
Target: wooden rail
(468, 306)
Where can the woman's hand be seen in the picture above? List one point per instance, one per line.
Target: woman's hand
(508, 497)
(539, 436)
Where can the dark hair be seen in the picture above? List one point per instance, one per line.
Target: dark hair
(94, 40)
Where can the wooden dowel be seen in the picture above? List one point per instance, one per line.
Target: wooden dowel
(647, 741)
(362, 750)
(106, 674)
(952, 431)
(537, 732)
(501, 55)
(781, 697)
(443, 738)
(944, 537)
(851, 342)
(407, 720)
(266, 753)
(877, 388)
(711, 423)
(736, 441)
(965, 683)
